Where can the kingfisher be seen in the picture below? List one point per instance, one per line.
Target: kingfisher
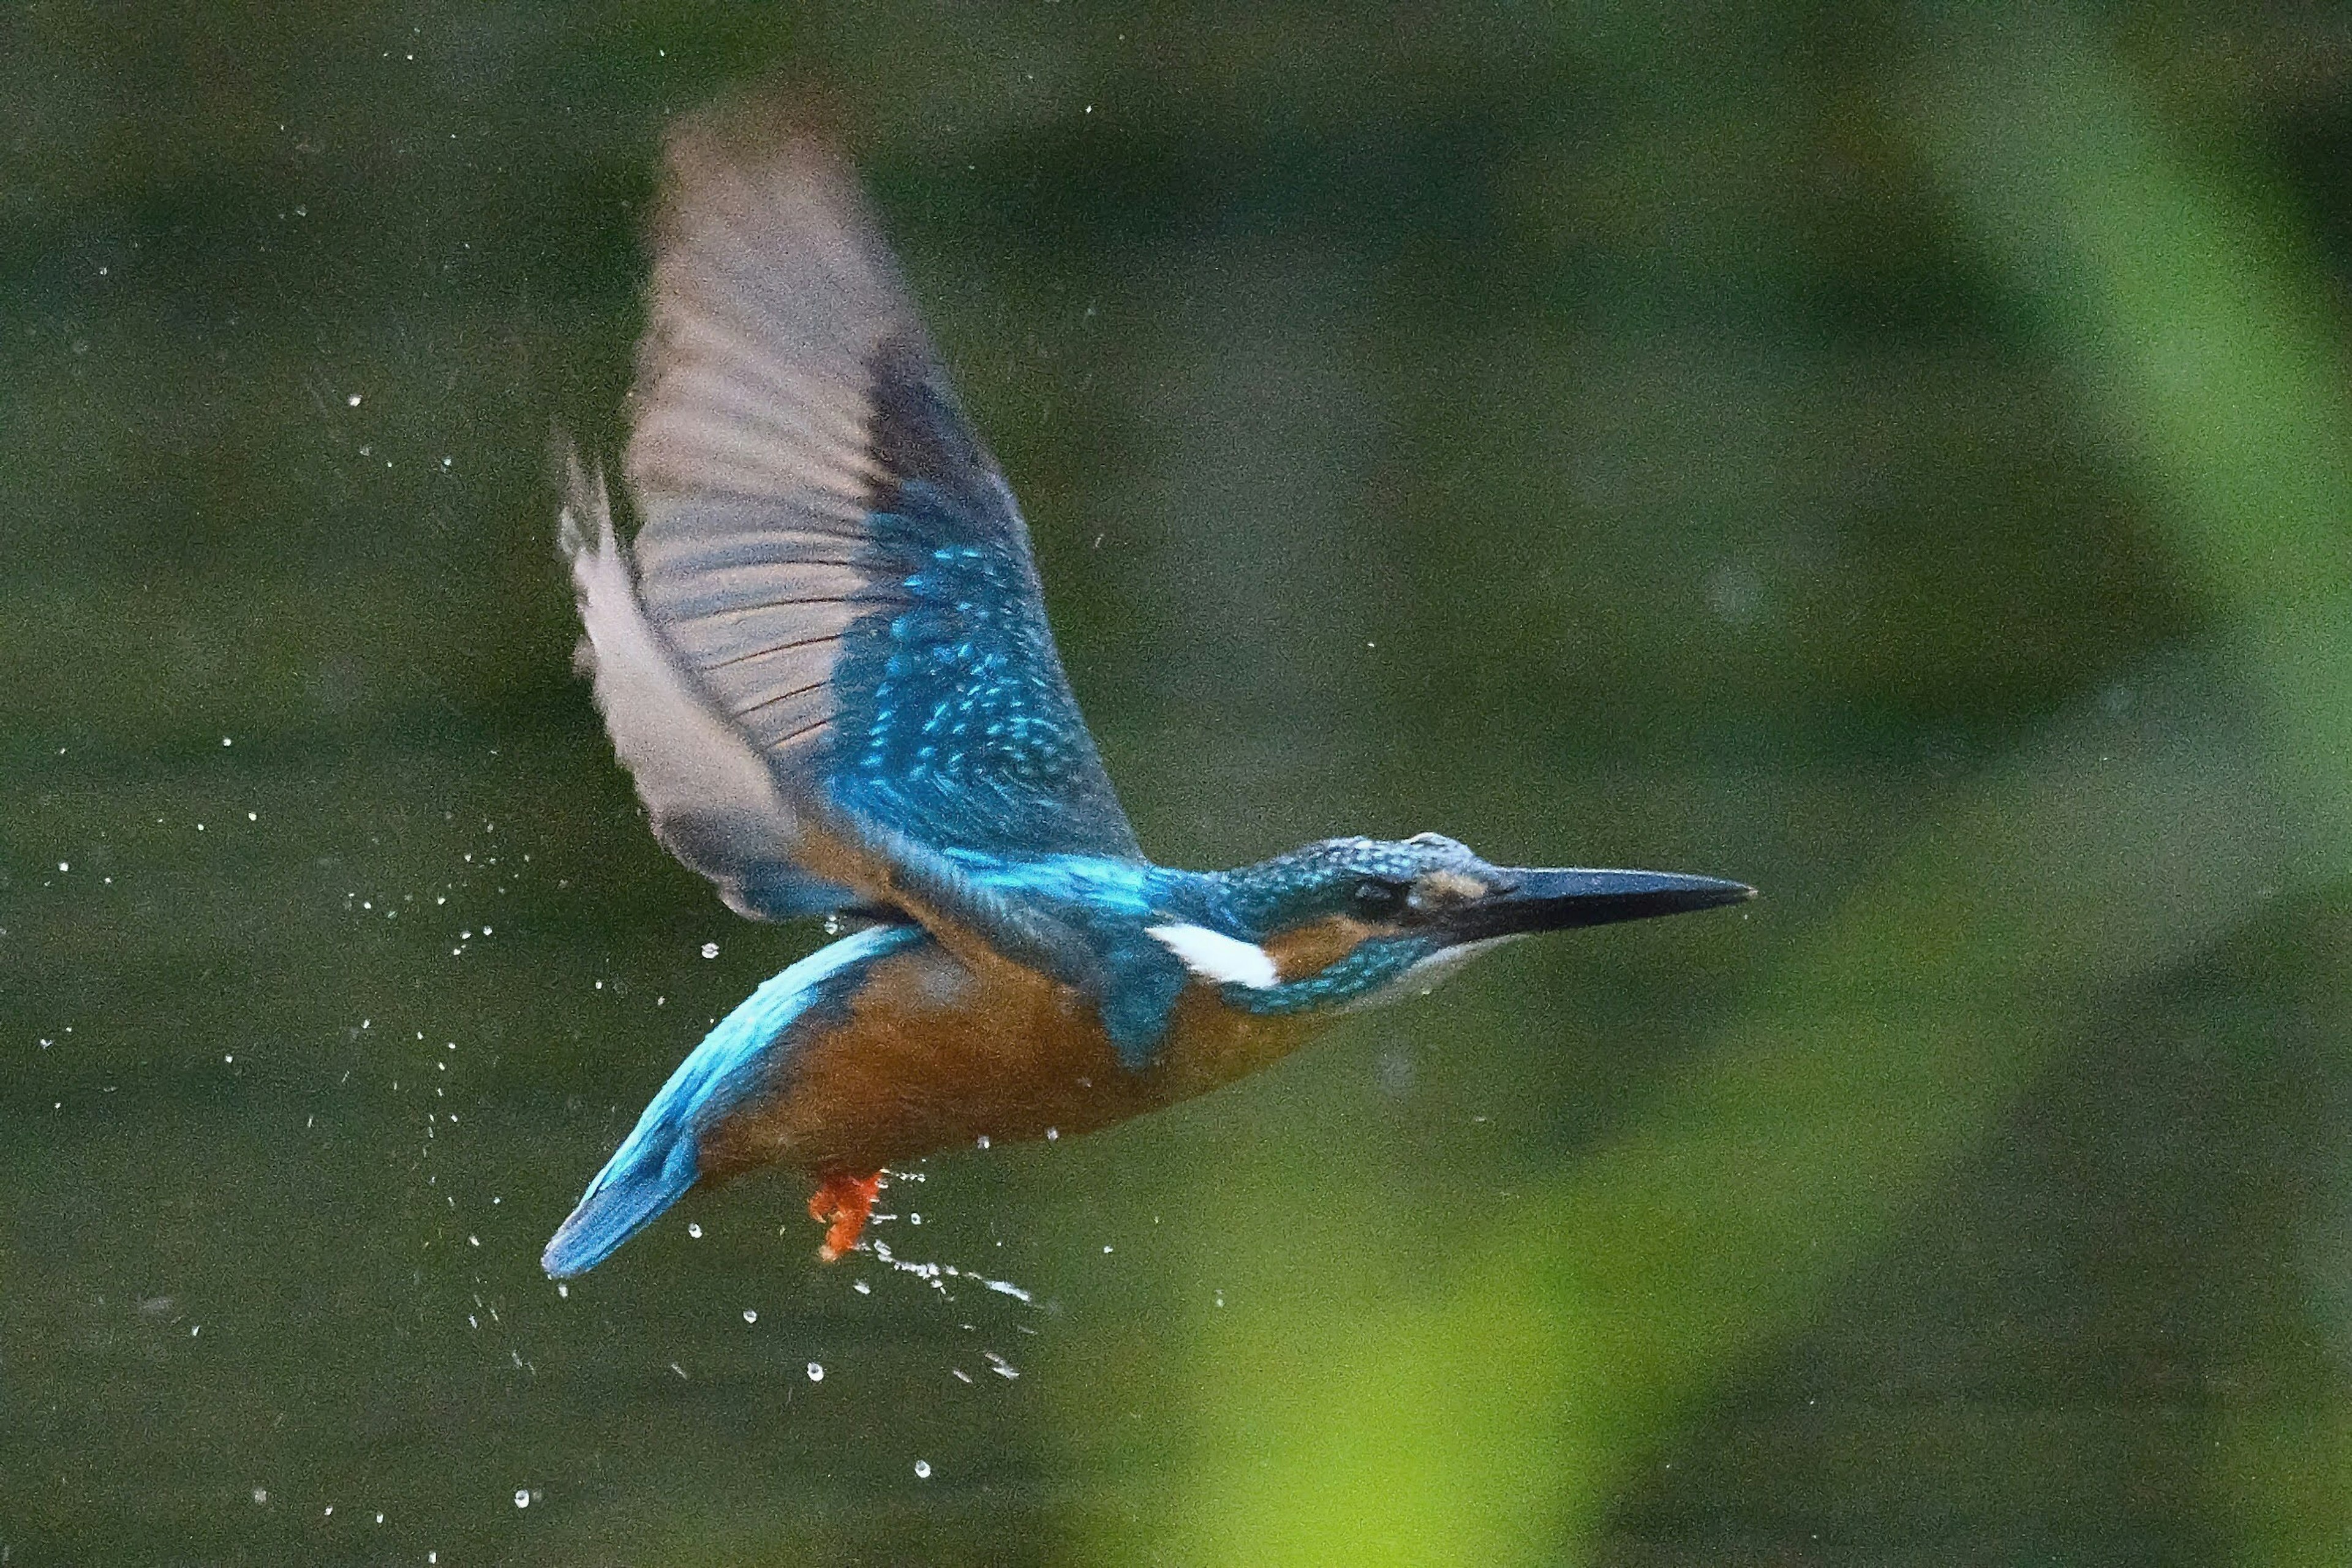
(824, 658)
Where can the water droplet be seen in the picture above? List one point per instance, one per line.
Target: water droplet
(710, 949)
(816, 1372)
(750, 1315)
(922, 1470)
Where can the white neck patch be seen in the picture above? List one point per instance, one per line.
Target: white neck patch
(1424, 977)
(1214, 955)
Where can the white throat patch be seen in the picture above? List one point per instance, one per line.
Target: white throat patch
(1424, 977)
(1214, 955)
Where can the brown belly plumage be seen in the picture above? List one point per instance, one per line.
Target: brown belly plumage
(932, 1053)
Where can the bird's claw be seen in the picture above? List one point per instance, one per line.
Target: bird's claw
(840, 1204)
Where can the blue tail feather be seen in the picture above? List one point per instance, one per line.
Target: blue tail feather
(623, 1199)
(659, 1160)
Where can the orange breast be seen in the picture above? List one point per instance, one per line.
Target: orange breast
(936, 1054)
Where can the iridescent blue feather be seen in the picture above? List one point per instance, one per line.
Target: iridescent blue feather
(956, 725)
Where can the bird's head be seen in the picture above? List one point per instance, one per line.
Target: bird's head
(1354, 923)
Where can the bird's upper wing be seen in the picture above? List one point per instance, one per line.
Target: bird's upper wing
(832, 659)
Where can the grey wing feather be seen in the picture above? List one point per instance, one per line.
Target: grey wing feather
(713, 800)
(750, 457)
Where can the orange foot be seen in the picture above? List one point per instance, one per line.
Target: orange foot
(845, 1201)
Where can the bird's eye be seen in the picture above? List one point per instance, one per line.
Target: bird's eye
(1379, 900)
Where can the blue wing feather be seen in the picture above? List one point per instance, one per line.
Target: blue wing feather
(956, 725)
(660, 1159)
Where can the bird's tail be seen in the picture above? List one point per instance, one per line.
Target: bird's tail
(647, 1175)
(661, 1157)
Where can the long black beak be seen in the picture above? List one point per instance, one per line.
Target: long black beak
(1554, 901)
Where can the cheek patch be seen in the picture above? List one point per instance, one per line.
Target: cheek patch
(1314, 948)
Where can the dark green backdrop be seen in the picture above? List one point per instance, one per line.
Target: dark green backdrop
(1894, 457)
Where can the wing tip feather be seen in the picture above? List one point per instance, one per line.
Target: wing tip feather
(586, 506)
(784, 125)
(775, 154)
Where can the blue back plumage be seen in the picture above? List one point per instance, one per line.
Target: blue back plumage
(659, 1159)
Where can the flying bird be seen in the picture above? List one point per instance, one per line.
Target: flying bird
(823, 657)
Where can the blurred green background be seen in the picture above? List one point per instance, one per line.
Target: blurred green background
(1894, 455)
